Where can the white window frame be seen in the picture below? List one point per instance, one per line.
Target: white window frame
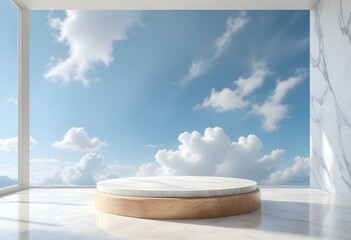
(23, 98)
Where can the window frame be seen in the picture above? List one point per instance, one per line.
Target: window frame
(23, 98)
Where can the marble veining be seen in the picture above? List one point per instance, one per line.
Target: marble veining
(177, 186)
(69, 213)
(330, 99)
(345, 26)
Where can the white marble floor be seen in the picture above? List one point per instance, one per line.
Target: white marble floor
(69, 213)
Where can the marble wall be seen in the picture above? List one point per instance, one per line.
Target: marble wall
(330, 103)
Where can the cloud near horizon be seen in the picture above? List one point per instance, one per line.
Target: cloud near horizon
(210, 154)
(76, 139)
(214, 154)
(296, 174)
(89, 36)
(81, 173)
(91, 168)
(200, 66)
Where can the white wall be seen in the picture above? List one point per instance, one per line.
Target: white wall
(330, 113)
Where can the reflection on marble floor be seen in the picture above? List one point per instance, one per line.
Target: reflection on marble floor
(286, 213)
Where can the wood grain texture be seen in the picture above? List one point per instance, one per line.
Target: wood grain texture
(178, 208)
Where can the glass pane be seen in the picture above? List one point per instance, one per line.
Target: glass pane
(144, 93)
(8, 95)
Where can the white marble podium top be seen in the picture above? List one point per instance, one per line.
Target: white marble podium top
(176, 186)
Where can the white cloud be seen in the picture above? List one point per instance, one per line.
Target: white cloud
(252, 164)
(115, 170)
(81, 173)
(214, 154)
(227, 99)
(298, 173)
(150, 145)
(90, 169)
(272, 110)
(13, 101)
(150, 169)
(233, 25)
(89, 36)
(200, 66)
(11, 144)
(224, 100)
(197, 69)
(76, 139)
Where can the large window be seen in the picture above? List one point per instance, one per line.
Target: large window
(125, 93)
(8, 95)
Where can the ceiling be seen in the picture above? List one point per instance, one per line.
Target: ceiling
(168, 4)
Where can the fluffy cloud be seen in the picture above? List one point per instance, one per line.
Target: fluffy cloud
(76, 139)
(81, 173)
(200, 67)
(272, 110)
(90, 169)
(213, 153)
(227, 99)
(89, 36)
(298, 173)
(115, 170)
(11, 144)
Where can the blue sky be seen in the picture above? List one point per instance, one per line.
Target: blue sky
(134, 81)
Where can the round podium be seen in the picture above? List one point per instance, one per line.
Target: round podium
(177, 197)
